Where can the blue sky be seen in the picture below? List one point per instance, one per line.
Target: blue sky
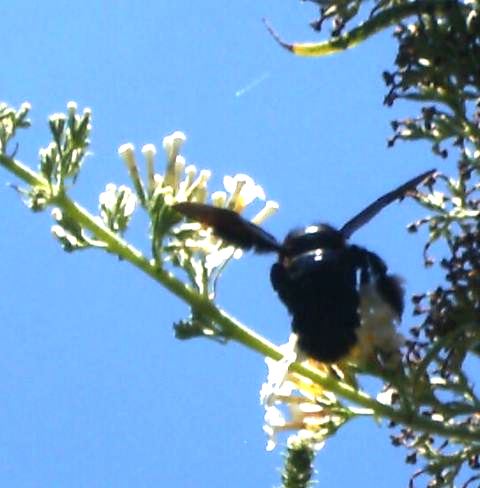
(95, 390)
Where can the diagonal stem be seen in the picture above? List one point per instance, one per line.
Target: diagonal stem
(232, 328)
(380, 21)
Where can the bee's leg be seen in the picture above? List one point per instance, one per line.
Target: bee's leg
(373, 270)
(381, 306)
(388, 286)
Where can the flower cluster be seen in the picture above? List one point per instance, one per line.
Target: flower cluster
(189, 246)
(117, 205)
(62, 159)
(295, 403)
(10, 121)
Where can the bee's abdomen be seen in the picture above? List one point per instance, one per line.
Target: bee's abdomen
(325, 320)
(323, 300)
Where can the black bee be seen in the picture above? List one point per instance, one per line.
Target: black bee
(318, 275)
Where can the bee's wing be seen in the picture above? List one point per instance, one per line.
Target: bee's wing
(230, 226)
(368, 213)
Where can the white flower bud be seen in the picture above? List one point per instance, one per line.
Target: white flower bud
(129, 200)
(149, 151)
(172, 143)
(219, 198)
(243, 190)
(205, 175)
(190, 173)
(25, 107)
(71, 108)
(127, 153)
(58, 231)
(108, 197)
(179, 167)
(269, 209)
(57, 214)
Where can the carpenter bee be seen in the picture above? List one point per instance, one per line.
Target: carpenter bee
(319, 276)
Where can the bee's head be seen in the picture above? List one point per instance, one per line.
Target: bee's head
(321, 236)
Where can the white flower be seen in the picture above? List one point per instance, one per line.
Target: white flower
(293, 402)
(58, 231)
(386, 396)
(116, 202)
(48, 152)
(243, 190)
(149, 151)
(190, 172)
(198, 190)
(305, 436)
(127, 153)
(436, 198)
(108, 198)
(178, 170)
(268, 210)
(62, 235)
(72, 107)
(172, 144)
(57, 117)
(128, 200)
(185, 186)
(219, 198)
(276, 384)
(25, 107)
(219, 257)
(424, 62)
(57, 214)
(274, 422)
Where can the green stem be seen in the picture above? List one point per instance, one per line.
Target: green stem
(23, 172)
(231, 326)
(385, 18)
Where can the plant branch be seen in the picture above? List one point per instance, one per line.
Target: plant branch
(232, 328)
(380, 21)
